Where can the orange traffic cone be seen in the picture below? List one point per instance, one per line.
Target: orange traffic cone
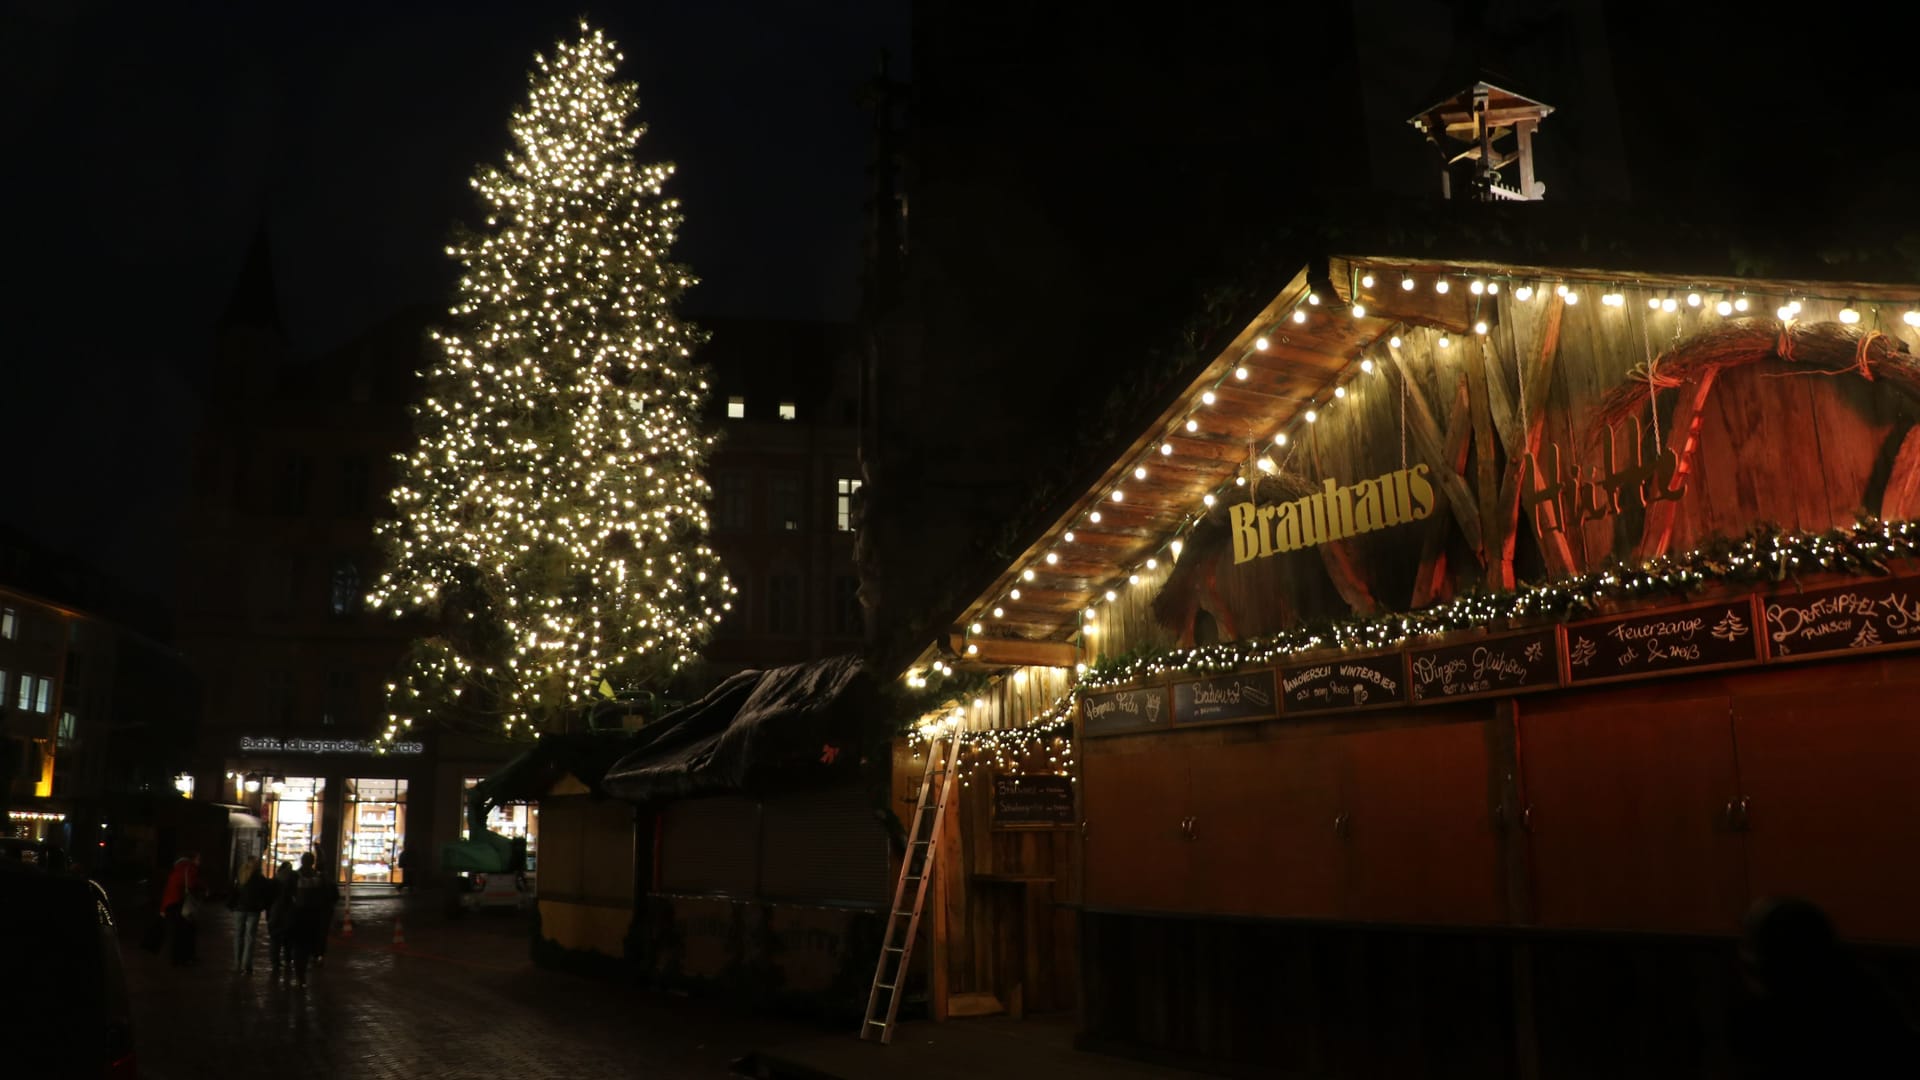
(399, 930)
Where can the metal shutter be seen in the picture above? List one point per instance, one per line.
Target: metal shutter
(824, 847)
(709, 846)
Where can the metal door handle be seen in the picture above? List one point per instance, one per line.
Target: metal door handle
(1192, 831)
(1343, 825)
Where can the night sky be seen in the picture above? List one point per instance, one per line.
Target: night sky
(147, 143)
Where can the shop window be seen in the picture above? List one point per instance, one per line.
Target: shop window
(783, 604)
(733, 501)
(845, 489)
(293, 807)
(848, 619)
(784, 502)
(374, 832)
(9, 624)
(710, 846)
(789, 411)
(736, 408)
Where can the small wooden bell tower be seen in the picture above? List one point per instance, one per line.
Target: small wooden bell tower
(1481, 132)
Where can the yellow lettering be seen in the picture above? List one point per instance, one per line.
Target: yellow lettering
(1246, 538)
(1266, 537)
(1422, 492)
(1339, 511)
(1313, 519)
(1397, 508)
(1286, 527)
(1366, 506)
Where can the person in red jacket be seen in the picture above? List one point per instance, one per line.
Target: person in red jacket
(176, 901)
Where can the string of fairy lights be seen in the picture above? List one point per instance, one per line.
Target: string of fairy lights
(1682, 300)
(553, 510)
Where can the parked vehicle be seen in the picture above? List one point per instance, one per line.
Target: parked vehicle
(61, 983)
(504, 889)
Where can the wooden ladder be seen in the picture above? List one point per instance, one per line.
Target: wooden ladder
(923, 840)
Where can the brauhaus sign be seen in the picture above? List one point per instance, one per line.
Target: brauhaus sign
(274, 744)
(1335, 513)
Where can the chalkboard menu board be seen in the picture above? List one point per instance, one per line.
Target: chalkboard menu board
(1502, 665)
(1032, 800)
(1247, 696)
(1670, 642)
(1116, 712)
(1360, 682)
(1845, 618)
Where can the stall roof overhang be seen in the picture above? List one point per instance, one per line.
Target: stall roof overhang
(1195, 446)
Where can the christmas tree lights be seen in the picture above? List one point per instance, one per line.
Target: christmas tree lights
(551, 517)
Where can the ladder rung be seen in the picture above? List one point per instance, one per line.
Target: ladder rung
(909, 914)
(885, 986)
(893, 948)
(877, 1023)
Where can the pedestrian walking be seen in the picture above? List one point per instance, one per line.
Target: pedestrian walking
(180, 902)
(280, 918)
(313, 899)
(252, 893)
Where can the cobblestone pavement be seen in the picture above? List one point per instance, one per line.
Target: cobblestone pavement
(460, 999)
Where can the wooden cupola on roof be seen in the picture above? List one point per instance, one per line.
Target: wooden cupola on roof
(1471, 130)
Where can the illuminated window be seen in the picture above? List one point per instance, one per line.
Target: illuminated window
(25, 701)
(9, 624)
(736, 408)
(43, 702)
(844, 489)
(788, 411)
(68, 724)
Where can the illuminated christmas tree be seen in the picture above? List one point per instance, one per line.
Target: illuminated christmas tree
(551, 519)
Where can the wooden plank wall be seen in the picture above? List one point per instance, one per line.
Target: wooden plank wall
(1803, 451)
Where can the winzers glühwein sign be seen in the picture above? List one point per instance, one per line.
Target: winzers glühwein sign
(1515, 664)
(1116, 712)
(1860, 617)
(1673, 641)
(1396, 498)
(1032, 800)
(1357, 682)
(1246, 696)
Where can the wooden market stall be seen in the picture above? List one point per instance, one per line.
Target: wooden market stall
(1461, 654)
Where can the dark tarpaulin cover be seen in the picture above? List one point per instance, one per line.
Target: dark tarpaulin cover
(794, 726)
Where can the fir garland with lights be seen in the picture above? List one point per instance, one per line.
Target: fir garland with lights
(1765, 555)
(551, 517)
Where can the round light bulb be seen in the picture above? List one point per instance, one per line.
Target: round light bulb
(1280, 439)
(1572, 297)
(1207, 499)
(1723, 308)
(1052, 558)
(1153, 564)
(1313, 298)
(1445, 341)
(1848, 315)
(976, 628)
(1112, 596)
(1440, 286)
(1265, 464)
(1693, 299)
(1260, 344)
(1207, 398)
(1140, 472)
(1359, 311)
(1366, 281)
(1669, 305)
(1366, 365)
(1793, 306)
(1299, 315)
(1523, 292)
(1312, 417)
(1068, 537)
(1027, 574)
(1741, 303)
(1193, 425)
(1133, 579)
(1118, 495)
(1911, 318)
(1014, 595)
(1339, 391)
(1406, 283)
(1240, 373)
(1393, 342)
(1480, 327)
(1493, 288)
(1783, 312)
(1478, 287)
(1166, 449)
(998, 612)
(1560, 289)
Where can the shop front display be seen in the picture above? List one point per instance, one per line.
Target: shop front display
(376, 828)
(295, 807)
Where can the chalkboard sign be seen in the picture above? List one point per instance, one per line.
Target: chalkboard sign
(1248, 696)
(1116, 712)
(1361, 682)
(1670, 642)
(1503, 665)
(1032, 800)
(1860, 617)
